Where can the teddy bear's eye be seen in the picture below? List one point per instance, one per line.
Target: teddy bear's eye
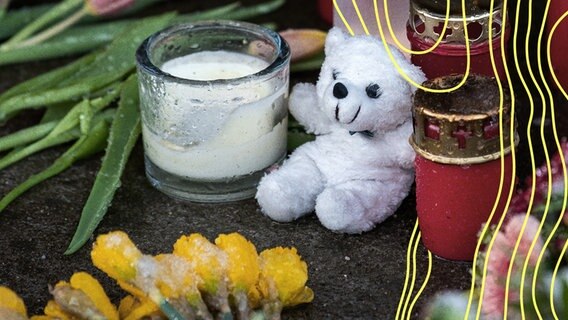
(373, 91)
(334, 74)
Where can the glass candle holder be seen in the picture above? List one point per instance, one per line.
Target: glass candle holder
(213, 98)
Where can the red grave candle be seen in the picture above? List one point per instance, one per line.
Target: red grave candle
(425, 27)
(325, 8)
(559, 42)
(458, 162)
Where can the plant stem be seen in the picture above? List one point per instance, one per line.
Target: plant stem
(14, 20)
(85, 38)
(53, 30)
(37, 146)
(3, 7)
(53, 14)
(25, 136)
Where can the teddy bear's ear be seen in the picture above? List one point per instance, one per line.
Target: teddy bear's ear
(335, 37)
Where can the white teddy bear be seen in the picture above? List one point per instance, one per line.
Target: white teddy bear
(360, 167)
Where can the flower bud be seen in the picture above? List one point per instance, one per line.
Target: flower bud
(106, 7)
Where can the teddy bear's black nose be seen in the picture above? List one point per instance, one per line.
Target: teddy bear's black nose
(340, 90)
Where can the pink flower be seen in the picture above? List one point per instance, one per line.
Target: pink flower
(520, 202)
(4, 4)
(106, 7)
(500, 258)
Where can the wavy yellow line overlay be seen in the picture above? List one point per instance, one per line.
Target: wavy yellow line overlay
(405, 76)
(403, 48)
(403, 310)
(413, 281)
(501, 180)
(531, 151)
(363, 24)
(565, 178)
(424, 284)
(555, 273)
(549, 189)
(407, 274)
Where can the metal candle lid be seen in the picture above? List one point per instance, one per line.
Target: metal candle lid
(462, 126)
(427, 24)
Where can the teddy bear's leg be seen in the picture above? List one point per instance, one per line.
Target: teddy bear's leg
(356, 206)
(291, 191)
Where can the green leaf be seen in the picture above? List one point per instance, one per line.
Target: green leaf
(47, 80)
(25, 136)
(124, 133)
(87, 145)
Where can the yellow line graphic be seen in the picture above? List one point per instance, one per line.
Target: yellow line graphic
(405, 76)
(407, 275)
(338, 10)
(565, 178)
(549, 189)
(531, 151)
(502, 173)
(360, 17)
(403, 48)
(407, 300)
(404, 309)
(424, 284)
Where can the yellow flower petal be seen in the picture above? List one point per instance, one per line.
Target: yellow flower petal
(243, 261)
(9, 314)
(209, 262)
(116, 255)
(126, 306)
(93, 289)
(75, 302)
(283, 270)
(53, 310)
(133, 309)
(42, 318)
(138, 293)
(176, 277)
(10, 300)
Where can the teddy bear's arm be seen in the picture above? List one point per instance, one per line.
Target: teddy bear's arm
(304, 107)
(401, 153)
(407, 156)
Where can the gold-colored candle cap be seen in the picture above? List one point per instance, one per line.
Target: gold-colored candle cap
(463, 125)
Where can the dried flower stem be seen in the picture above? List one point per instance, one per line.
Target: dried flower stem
(55, 13)
(53, 31)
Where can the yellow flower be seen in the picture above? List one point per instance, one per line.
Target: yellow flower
(75, 302)
(209, 262)
(176, 278)
(11, 303)
(243, 261)
(116, 255)
(132, 308)
(53, 310)
(284, 276)
(93, 289)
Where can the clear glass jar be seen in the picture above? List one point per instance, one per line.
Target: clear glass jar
(213, 98)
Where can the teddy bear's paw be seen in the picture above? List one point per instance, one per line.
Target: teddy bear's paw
(278, 202)
(342, 211)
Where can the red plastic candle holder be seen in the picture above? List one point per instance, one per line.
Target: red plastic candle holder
(458, 163)
(450, 56)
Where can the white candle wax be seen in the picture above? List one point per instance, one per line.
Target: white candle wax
(211, 139)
